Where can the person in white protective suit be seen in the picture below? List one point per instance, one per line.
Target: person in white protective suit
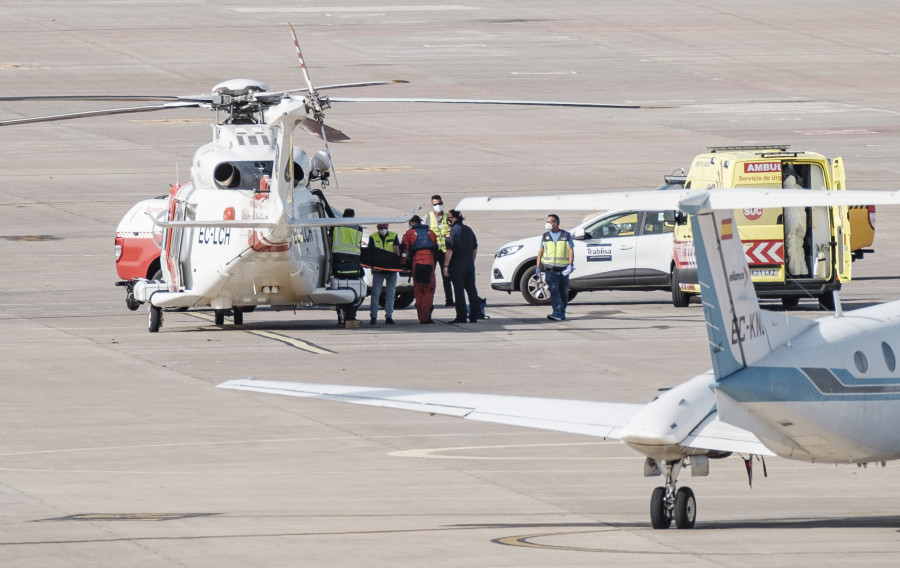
(794, 231)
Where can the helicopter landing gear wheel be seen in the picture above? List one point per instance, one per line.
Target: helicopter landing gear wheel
(685, 508)
(659, 513)
(238, 315)
(156, 319)
(220, 317)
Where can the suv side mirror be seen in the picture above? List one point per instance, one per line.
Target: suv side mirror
(578, 234)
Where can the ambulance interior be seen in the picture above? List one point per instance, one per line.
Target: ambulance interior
(807, 231)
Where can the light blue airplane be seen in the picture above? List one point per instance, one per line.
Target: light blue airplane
(823, 391)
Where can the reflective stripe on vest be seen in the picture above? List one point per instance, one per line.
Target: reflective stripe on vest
(386, 244)
(441, 230)
(346, 240)
(556, 254)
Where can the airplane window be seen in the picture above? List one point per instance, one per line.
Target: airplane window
(859, 359)
(889, 358)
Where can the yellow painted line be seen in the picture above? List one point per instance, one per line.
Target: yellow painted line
(293, 342)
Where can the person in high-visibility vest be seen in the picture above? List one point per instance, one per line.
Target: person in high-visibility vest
(383, 252)
(345, 261)
(439, 223)
(555, 260)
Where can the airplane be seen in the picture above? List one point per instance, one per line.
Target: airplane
(823, 391)
(250, 227)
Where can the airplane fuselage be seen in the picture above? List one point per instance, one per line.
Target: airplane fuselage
(832, 395)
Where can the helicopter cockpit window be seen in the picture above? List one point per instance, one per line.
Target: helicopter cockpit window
(241, 175)
(623, 225)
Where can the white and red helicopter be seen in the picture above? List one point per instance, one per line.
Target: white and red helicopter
(250, 227)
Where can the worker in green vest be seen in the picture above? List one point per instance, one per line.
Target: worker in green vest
(345, 262)
(439, 224)
(383, 254)
(555, 258)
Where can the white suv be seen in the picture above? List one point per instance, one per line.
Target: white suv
(616, 250)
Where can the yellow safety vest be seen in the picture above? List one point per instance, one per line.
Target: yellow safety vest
(556, 254)
(441, 230)
(386, 244)
(345, 240)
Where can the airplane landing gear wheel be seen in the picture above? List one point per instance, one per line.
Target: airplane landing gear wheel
(685, 508)
(220, 317)
(659, 512)
(238, 315)
(156, 318)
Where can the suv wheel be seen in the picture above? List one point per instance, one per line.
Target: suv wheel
(533, 289)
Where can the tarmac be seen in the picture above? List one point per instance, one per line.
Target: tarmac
(116, 449)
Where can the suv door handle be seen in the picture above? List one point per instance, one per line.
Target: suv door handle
(626, 247)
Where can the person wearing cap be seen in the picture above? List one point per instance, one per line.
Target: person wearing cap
(418, 246)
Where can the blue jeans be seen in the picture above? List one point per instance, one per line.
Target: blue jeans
(559, 292)
(389, 279)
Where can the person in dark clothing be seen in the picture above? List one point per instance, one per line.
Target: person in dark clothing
(462, 248)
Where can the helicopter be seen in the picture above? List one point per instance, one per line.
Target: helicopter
(251, 226)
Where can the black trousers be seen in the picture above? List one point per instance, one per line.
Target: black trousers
(463, 278)
(448, 291)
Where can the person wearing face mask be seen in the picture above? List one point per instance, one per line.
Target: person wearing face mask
(383, 253)
(419, 245)
(555, 258)
(462, 248)
(439, 224)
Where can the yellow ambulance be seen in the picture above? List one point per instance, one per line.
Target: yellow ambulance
(792, 252)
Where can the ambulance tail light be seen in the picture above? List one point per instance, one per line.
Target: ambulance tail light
(120, 243)
(871, 209)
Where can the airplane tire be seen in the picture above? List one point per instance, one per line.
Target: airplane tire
(659, 516)
(685, 508)
(238, 315)
(220, 317)
(403, 300)
(155, 319)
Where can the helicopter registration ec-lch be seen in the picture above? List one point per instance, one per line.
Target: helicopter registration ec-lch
(250, 227)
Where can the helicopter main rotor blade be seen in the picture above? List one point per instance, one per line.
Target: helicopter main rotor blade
(323, 131)
(279, 94)
(302, 64)
(84, 114)
(480, 102)
(172, 98)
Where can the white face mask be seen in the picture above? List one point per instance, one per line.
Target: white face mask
(438, 208)
(382, 232)
(547, 226)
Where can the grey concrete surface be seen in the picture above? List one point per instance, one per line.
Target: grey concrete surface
(117, 450)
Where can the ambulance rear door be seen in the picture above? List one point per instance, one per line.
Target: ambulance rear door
(840, 220)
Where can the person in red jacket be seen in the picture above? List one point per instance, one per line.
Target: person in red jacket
(419, 246)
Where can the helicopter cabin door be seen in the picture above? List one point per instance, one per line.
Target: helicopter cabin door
(176, 251)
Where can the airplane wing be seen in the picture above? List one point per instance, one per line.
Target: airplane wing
(294, 223)
(602, 419)
(688, 200)
(350, 221)
(713, 434)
